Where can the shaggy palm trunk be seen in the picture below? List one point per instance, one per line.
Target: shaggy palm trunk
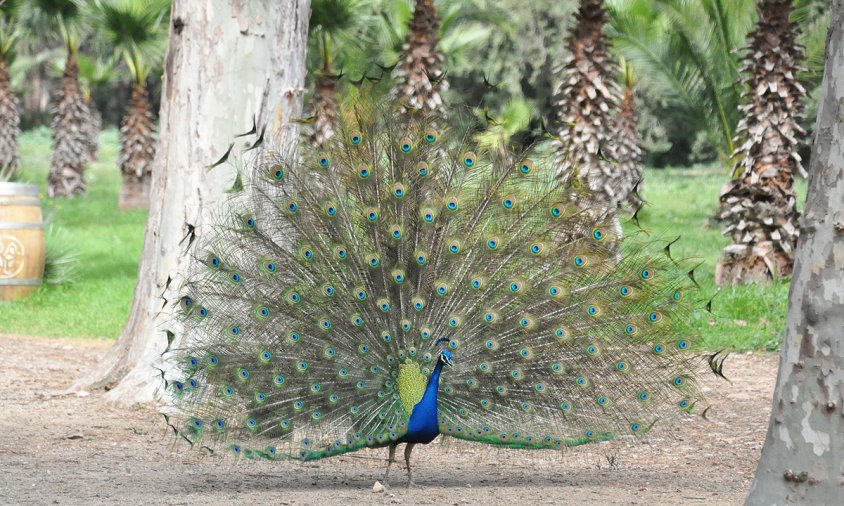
(585, 105)
(137, 150)
(325, 106)
(760, 206)
(92, 130)
(419, 74)
(70, 145)
(628, 149)
(9, 124)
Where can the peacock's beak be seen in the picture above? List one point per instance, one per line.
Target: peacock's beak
(448, 361)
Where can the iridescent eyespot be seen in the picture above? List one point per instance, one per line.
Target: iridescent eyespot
(372, 214)
(249, 221)
(213, 261)
(428, 214)
(678, 295)
(292, 207)
(306, 252)
(373, 260)
(526, 166)
(579, 261)
(395, 232)
(469, 159)
(406, 145)
(363, 171)
(621, 366)
(360, 293)
(556, 211)
(454, 246)
(492, 242)
(421, 258)
(630, 329)
(418, 303)
(235, 277)
(277, 172)
(647, 273)
(422, 169)
(598, 234)
(625, 291)
(508, 202)
(234, 330)
(398, 276)
(324, 160)
(325, 324)
(202, 312)
(262, 312)
(330, 209)
(451, 204)
(477, 283)
(442, 289)
(593, 310)
(643, 396)
(356, 137)
(654, 316)
(658, 348)
(340, 252)
(431, 135)
(679, 381)
(537, 248)
(399, 190)
(516, 286)
(683, 344)
(357, 321)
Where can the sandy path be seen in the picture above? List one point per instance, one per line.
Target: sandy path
(64, 449)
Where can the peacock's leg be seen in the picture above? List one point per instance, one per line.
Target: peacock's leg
(407, 450)
(390, 459)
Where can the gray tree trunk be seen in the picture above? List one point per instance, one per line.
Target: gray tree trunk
(803, 457)
(227, 60)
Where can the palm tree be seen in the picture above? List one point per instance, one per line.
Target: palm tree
(71, 115)
(94, 73)
(760, 206)
(135, 29)
(9, 114)
(688, 51)
(628, 142)
(420, 73)
(332, 21)
(584, 108)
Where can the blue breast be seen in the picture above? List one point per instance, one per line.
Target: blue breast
(423, 425)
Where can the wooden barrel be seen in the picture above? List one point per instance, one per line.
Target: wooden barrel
(21, 240)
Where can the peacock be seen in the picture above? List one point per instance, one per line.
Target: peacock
(404, 281)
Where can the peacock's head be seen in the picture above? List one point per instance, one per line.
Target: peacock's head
(445, 356)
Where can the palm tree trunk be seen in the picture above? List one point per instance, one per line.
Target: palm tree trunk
(325, 106)
(70, 151)
(760, 207)
(628, 148)
(9, 125)
(92, 130)
(585, 104)
(419, 72)
(137, 150)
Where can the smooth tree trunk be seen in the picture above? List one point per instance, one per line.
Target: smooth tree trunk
(803, 457)
(227, 61)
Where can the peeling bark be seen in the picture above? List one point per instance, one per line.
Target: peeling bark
(227, 60)
(803, 457)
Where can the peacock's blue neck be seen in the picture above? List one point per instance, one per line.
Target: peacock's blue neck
(423, 425)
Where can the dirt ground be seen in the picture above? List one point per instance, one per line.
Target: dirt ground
(58, 448)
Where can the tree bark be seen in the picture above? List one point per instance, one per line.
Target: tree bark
(227, 61)
(803, 457)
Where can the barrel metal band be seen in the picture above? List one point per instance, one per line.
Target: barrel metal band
(19, 282)
(20, 202)
(12, 226)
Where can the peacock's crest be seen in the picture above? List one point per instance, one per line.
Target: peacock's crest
(342, 280)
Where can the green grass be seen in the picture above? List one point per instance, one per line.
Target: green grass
(109, 242)
(681, 203)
